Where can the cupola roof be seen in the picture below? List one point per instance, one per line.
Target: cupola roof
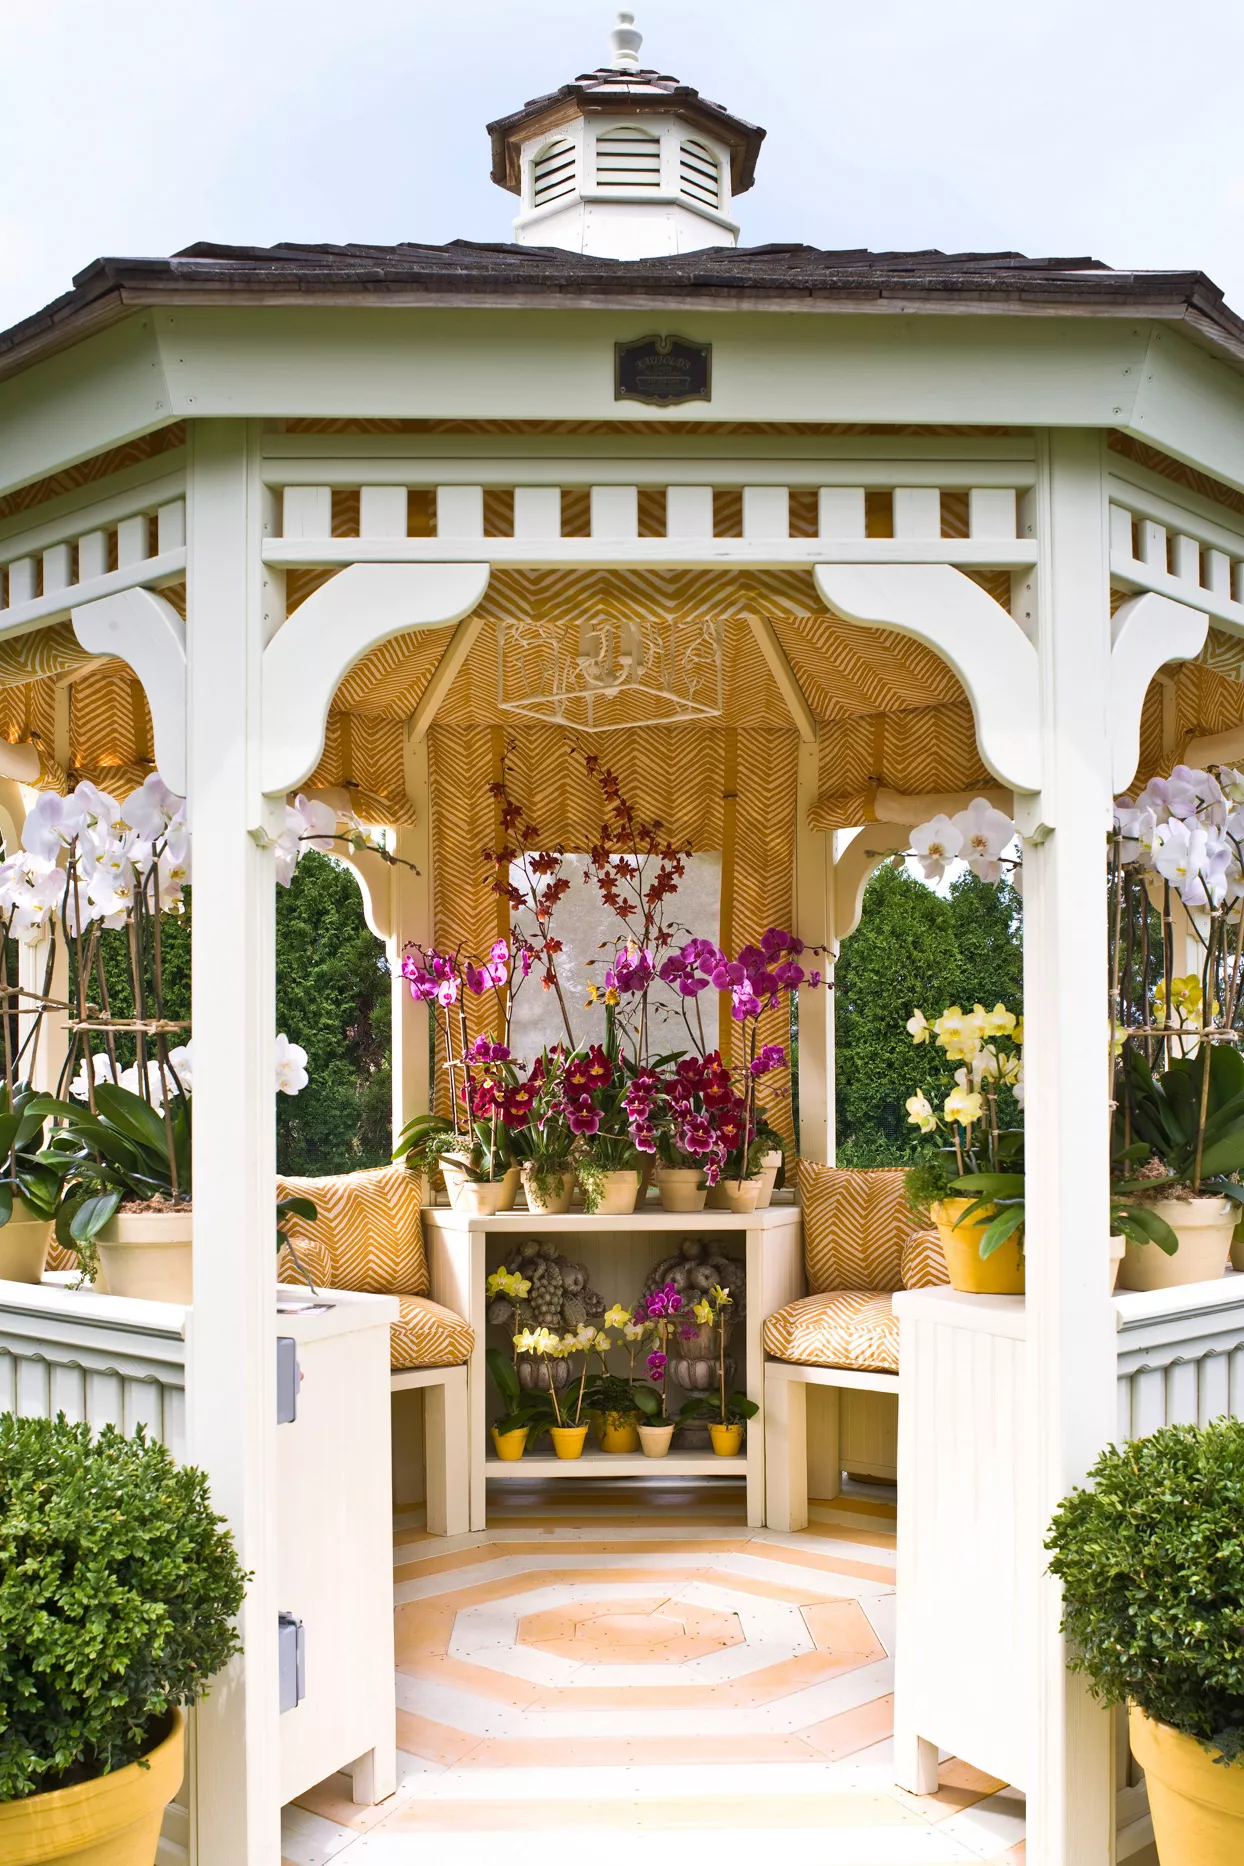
(623, 85)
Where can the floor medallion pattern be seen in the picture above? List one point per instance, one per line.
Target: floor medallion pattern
(622, 1663)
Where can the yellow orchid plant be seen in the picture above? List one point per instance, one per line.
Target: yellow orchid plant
(714, 1311)
(977, 1155)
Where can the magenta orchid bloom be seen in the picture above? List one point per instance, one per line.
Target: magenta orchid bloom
(772, 1056)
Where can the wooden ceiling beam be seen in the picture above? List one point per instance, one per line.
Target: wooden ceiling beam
(784, 674)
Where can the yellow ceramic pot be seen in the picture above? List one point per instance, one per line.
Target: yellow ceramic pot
(510, 1445)
(568, 1440)
(1197, 1805)
(113, 1820)
(999, 1274)
(727, 1440)
(614, 1434)
(149, 1255)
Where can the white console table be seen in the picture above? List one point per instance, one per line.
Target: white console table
(112, 1360)
(969, 1544)
(618, 1251)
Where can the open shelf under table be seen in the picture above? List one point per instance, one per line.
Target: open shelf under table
(617, 1464)
(462, 1248)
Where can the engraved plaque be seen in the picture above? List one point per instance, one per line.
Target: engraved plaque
(663, 371)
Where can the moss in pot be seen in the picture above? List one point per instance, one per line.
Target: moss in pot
(118, 1591)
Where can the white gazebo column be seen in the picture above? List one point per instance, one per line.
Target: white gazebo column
(1070, 1358)
(231, 1373)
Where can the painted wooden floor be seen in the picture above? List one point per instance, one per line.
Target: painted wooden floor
(610, 1663)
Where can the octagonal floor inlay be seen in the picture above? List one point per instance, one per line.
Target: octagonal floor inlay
(654, 1631)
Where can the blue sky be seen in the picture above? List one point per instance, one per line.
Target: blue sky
(1108, 127)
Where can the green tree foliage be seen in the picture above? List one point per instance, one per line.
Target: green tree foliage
(332, 997)
(913, 948)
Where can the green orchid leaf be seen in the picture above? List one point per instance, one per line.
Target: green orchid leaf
(132, 1115)
(92, 1215)
(993, 1185)
(1004, 1226)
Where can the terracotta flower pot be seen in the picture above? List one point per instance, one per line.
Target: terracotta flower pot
(547, 1192)
(770, 1166)
(149, 1255)
(24, 1245)
(619, 1191)
(727, 1440)
(510, 1445)
(655, 1439)
(112, 1820)
(1204, 1228)
(568, 1440)
(498, 1194)
(484, 1198)
(681, 1188)
(999, 1274)
(1196, 1802)
(742, 1195)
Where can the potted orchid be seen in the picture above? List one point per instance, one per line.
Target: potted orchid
(608, 1113)
(1178, 1132)
(569, 1428)
(759, 980)
(659, 1314)
(697, 1123)
(618, 1406)
(972, 1185)
(713, 1311)
(120, 1150)
(544, 1138)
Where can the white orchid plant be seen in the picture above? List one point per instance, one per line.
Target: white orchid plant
(91, 864)
(1174, 1036)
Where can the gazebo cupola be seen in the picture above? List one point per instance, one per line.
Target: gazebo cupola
(624, 162)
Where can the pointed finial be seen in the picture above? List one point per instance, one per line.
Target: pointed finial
(626, 43)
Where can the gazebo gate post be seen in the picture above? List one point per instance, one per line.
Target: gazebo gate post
(1071, 1352)
(231, 1360)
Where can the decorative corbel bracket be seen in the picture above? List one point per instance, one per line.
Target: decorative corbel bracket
(146, 632)
(961, 622)
(336, 626)
(863, 856)
(1148, 631)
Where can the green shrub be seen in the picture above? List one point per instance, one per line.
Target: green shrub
(118, 1589)
(1151, 1558)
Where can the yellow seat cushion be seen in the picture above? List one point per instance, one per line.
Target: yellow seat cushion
(855, 1223)
(854, 1328)
(426, 1335)
(369, 1225)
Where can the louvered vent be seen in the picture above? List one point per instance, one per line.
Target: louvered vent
(629, 158)
(700, 176)
(552, 173)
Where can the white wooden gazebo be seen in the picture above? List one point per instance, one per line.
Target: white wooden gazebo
(965, 520)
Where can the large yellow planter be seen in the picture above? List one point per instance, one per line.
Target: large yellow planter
(24, 1245)
(1197, 1805)
(111, 1821)
(999, 1274)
